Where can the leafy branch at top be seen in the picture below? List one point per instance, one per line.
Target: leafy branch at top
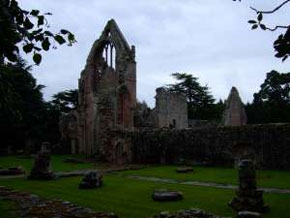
(29, 30)
(282, 44)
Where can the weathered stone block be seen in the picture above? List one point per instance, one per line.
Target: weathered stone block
(167, 195)
(184, 170)
(91, 180)
(41, 169)
(248, 197)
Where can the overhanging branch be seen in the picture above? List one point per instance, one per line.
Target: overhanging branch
(273, 11)
(277, 27)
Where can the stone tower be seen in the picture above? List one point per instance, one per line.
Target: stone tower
(234, 114)
(107, 90)
(170, 110)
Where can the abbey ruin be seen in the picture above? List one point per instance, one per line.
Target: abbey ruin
(109, 124)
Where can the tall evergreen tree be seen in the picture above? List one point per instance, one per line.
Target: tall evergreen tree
(199, 99)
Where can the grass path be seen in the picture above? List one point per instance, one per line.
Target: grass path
(206, 184)
(265, 178)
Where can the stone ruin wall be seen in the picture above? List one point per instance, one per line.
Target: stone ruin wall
(170, 110)
(234, 114)
(107, 91)
(268, 145)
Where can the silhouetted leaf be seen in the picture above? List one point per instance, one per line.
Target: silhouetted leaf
(28, 48)
(252, 21)
(279, 55)
(45, 44)
(27, 24)
(40, 20)
(35, 32)
(11, 57)
(62, 31)
(284, 58)
(71, 37)
(254, 26)
(37, 58)
(20, 18)
(48, 33)
(263, 27)
(59, 39)
(260, 17)
(39, 37)
(34, 12)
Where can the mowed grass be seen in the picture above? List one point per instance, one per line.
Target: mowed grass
(8, 209)
(57, 163)
(131, 198)
(265, 178)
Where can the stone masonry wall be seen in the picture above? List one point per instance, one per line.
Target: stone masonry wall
(268, 145)
(170, 110)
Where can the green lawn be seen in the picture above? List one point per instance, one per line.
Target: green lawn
(266, 178)
(130, 198)
(57, 163)
(8, 209)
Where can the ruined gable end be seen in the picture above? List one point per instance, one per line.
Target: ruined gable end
(107, 89)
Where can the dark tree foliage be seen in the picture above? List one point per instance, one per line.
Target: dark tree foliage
(282, 43)
(275, 88)
(21, 122)
(25, 118)
(272, 103)
(29, 30)
(200, 101)
(66, 101)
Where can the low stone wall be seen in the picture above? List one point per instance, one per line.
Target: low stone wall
(268, 145)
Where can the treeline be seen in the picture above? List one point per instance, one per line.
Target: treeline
(270, 105)
(26, 120)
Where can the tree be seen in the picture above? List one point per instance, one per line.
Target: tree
(29, 30)
(66, 101)
(272, 103)
(282, 43)
(199, 100)
(23, 122)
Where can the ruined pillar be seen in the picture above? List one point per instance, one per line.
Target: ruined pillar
(234, 114)
(248, 198)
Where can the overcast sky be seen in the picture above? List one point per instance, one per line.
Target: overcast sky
(210, 39)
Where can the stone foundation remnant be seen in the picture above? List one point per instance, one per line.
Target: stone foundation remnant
(248, 197)
(167, 195)
(248, 214)
(184, 170)
(234, 114)
(91, 180)
(41, 169)
(11, 171)
(192, 213)
(29, 206)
